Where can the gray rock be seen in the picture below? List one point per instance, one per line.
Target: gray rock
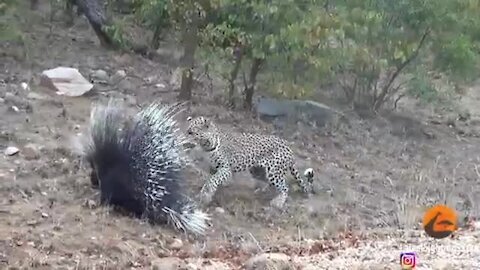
(31, 151)
(100, 76)
(167, 263)
(118, 76)
(36, 96)
(283, 110)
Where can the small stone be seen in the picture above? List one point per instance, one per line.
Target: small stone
(45, 215)
(167, 263)
(4, 176)
(15, 108)
(176, 244)
(11, 150)
(123, 59)
(10, 97)
(33, 222)
(36, 96)
(191, 266)
(90, 204)
(2, 100)
(25, 86)
(118, 76)
(220, 210)
(31, 151)
(476, 225)
(160, 85)
(269, 261)
(100, 76)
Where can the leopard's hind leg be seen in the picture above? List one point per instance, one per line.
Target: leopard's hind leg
(275, 173)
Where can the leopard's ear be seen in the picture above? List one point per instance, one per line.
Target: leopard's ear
(189, 118)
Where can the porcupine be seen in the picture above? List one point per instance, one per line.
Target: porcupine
(137, 163)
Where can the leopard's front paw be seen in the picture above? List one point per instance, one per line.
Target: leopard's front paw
(205, 198)
(308, 189)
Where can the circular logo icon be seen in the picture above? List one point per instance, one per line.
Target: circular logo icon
(440, 221)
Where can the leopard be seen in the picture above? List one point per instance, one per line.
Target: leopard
(266, 157)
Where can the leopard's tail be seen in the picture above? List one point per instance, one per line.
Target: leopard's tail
(306, 181)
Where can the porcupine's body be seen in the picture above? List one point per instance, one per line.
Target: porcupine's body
(137, 163)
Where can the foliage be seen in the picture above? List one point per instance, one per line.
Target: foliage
(254, 31)
(9, 28)
(376, 50)
(422, 88)
(154, 14)
(458, 57)
(369, 46)
(116, 33)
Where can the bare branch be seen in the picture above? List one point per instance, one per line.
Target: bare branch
(399, 69)
(397, 100)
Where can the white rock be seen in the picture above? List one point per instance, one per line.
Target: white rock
(11, 150)
(66, 81)
(25, 86)
(220, 210)
(176, 244)
(191, 266)
(476, 225)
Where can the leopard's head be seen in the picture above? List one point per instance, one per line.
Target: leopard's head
(208, 141)
(197, 125)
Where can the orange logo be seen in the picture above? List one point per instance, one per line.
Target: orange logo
(440, 221)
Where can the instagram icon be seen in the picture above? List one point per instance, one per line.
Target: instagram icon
(408, 260)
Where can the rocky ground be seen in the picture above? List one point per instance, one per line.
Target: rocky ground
(375, 177)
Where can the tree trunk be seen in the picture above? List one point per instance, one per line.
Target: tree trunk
(250, 87)
(190, 40)
(156, 36)
(238, 55)
(95, 14)
(69, 12)
(33, 4)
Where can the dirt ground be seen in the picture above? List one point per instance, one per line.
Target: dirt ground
(375, 178)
